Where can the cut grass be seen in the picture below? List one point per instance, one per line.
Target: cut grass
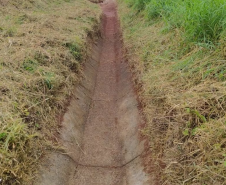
(182, 88)
(42, 50)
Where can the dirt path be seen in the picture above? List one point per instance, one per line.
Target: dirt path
(102, 146)
(100, 131)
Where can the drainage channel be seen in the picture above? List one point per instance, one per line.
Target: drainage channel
(100, 131)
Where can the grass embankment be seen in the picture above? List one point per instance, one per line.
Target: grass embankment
(42, 46)
(177, 50)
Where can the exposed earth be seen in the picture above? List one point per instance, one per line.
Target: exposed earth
(101, 129)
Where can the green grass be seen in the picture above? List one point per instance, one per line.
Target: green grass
(200, 20)
(75, 50)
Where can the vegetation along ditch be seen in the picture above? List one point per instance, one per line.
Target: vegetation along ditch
(42, 48)
(177, 51)
(71, 111)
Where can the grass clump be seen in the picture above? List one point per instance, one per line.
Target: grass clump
(30, 65)
(205, 20)
(38, 73)
(180, 72)
(75, 50)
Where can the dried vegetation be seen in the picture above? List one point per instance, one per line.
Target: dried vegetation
(42, 47)
(183, 89)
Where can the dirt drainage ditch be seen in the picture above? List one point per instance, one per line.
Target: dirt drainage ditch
(100, 130)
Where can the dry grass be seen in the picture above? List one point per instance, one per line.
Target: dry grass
(42, 46)
(183, 89)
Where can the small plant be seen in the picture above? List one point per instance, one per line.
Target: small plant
(30, 65)
(21, 19)
(75, 50)
(140, 4)
(10, 32)
(3, 136)
(48, 79)
(186, 132)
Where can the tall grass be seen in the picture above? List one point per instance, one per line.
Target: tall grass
(200, 20)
